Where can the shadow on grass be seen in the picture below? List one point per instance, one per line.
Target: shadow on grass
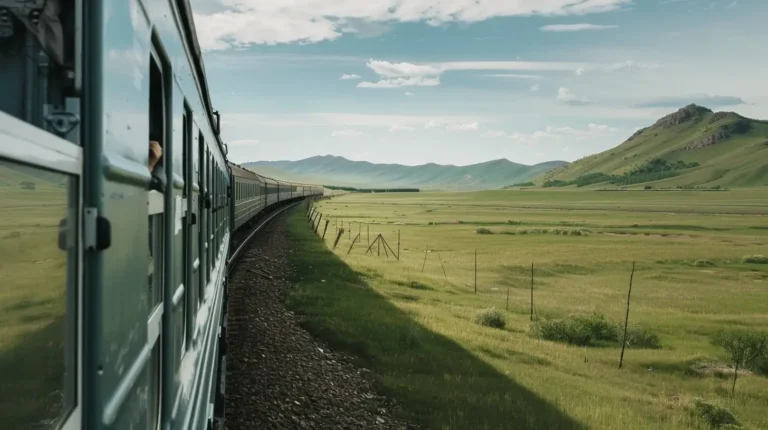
(436, 382)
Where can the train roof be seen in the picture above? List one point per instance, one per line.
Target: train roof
(239, 170)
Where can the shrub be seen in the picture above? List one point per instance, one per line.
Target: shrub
(639, 337)
(755, 259)
(483, 230)
(703, 263)
(593, 330)
(715, 416)
(491, 318)
(577, 330)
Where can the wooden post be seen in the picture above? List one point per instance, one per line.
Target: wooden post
(507, 297)
(475, 271)
(531, 291)
(338, 236)
(326, 227)
(425, 258)
(378, 252)
(359, 228)
(349, 232)
(441, 265)
(398, 245)
(317, 227)
(353, 244)
(626, 319)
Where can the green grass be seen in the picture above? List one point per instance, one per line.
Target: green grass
(32, 298)
(417, 331)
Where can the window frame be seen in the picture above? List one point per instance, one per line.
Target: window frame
(28, 145)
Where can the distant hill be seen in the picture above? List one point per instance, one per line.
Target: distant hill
(333, 170)
(693, 147)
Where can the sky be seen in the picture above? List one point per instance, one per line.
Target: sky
(466, 81)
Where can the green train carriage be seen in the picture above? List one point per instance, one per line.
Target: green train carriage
(113, 295)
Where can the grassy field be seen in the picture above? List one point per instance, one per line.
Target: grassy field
(32, 298)
(416, 329)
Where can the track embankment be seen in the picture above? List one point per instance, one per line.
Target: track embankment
(278, 375)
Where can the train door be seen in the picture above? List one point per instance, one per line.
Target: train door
(194, 221)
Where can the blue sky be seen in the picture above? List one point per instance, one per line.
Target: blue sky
(466, 81)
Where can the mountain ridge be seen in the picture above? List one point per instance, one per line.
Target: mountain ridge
(691, 147)
(340, 171)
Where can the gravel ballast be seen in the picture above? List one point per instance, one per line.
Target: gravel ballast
(278, 376)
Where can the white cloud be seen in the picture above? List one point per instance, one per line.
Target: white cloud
(239, 23)
(535, 87)
(494, 133)
(473, 126)
(416, 81)
(346, 133)
(351, 77)
(580, 71)
(576, 27)
(564, 96)
(564, 134)
(431, 124)
(515, 76)
(339, 120)
(409, 94)
(400, 127)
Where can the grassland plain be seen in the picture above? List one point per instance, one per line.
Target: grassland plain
(416, 330)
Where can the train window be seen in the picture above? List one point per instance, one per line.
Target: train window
(203, 219)
(157, 252)
(186, 238)
(38, 296)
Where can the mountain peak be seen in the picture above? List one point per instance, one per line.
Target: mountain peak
(684, 114)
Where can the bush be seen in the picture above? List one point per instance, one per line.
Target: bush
(577, 330)
(703, 263)
(483, 230)
(491, 318)
(716, 416)
(638, 337)
(755, 259)
(593, 330)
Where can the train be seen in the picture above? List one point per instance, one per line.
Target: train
(113, 299)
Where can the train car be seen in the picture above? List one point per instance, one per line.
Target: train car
(122, 268)
(249, 195)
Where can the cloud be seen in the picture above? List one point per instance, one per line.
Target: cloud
(416, 81)
(346, 77)
(396, 75)
(564, 96)
(580, 71)
(431, 124)
(338, 120)
(241, 23)
(515, 76)
(473, 126)
(699, 99)
(558, 135)
(400, 127)
(409, 94)
(494, 133)
(576, 27)
(346, 133)
(535, 87)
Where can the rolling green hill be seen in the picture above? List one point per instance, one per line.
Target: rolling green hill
(331, 170)
(693, 147)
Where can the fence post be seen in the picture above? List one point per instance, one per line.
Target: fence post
(626, 319)
(475, 271)
(531, 291)
(326, 228)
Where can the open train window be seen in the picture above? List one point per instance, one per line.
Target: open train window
(156, 205)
